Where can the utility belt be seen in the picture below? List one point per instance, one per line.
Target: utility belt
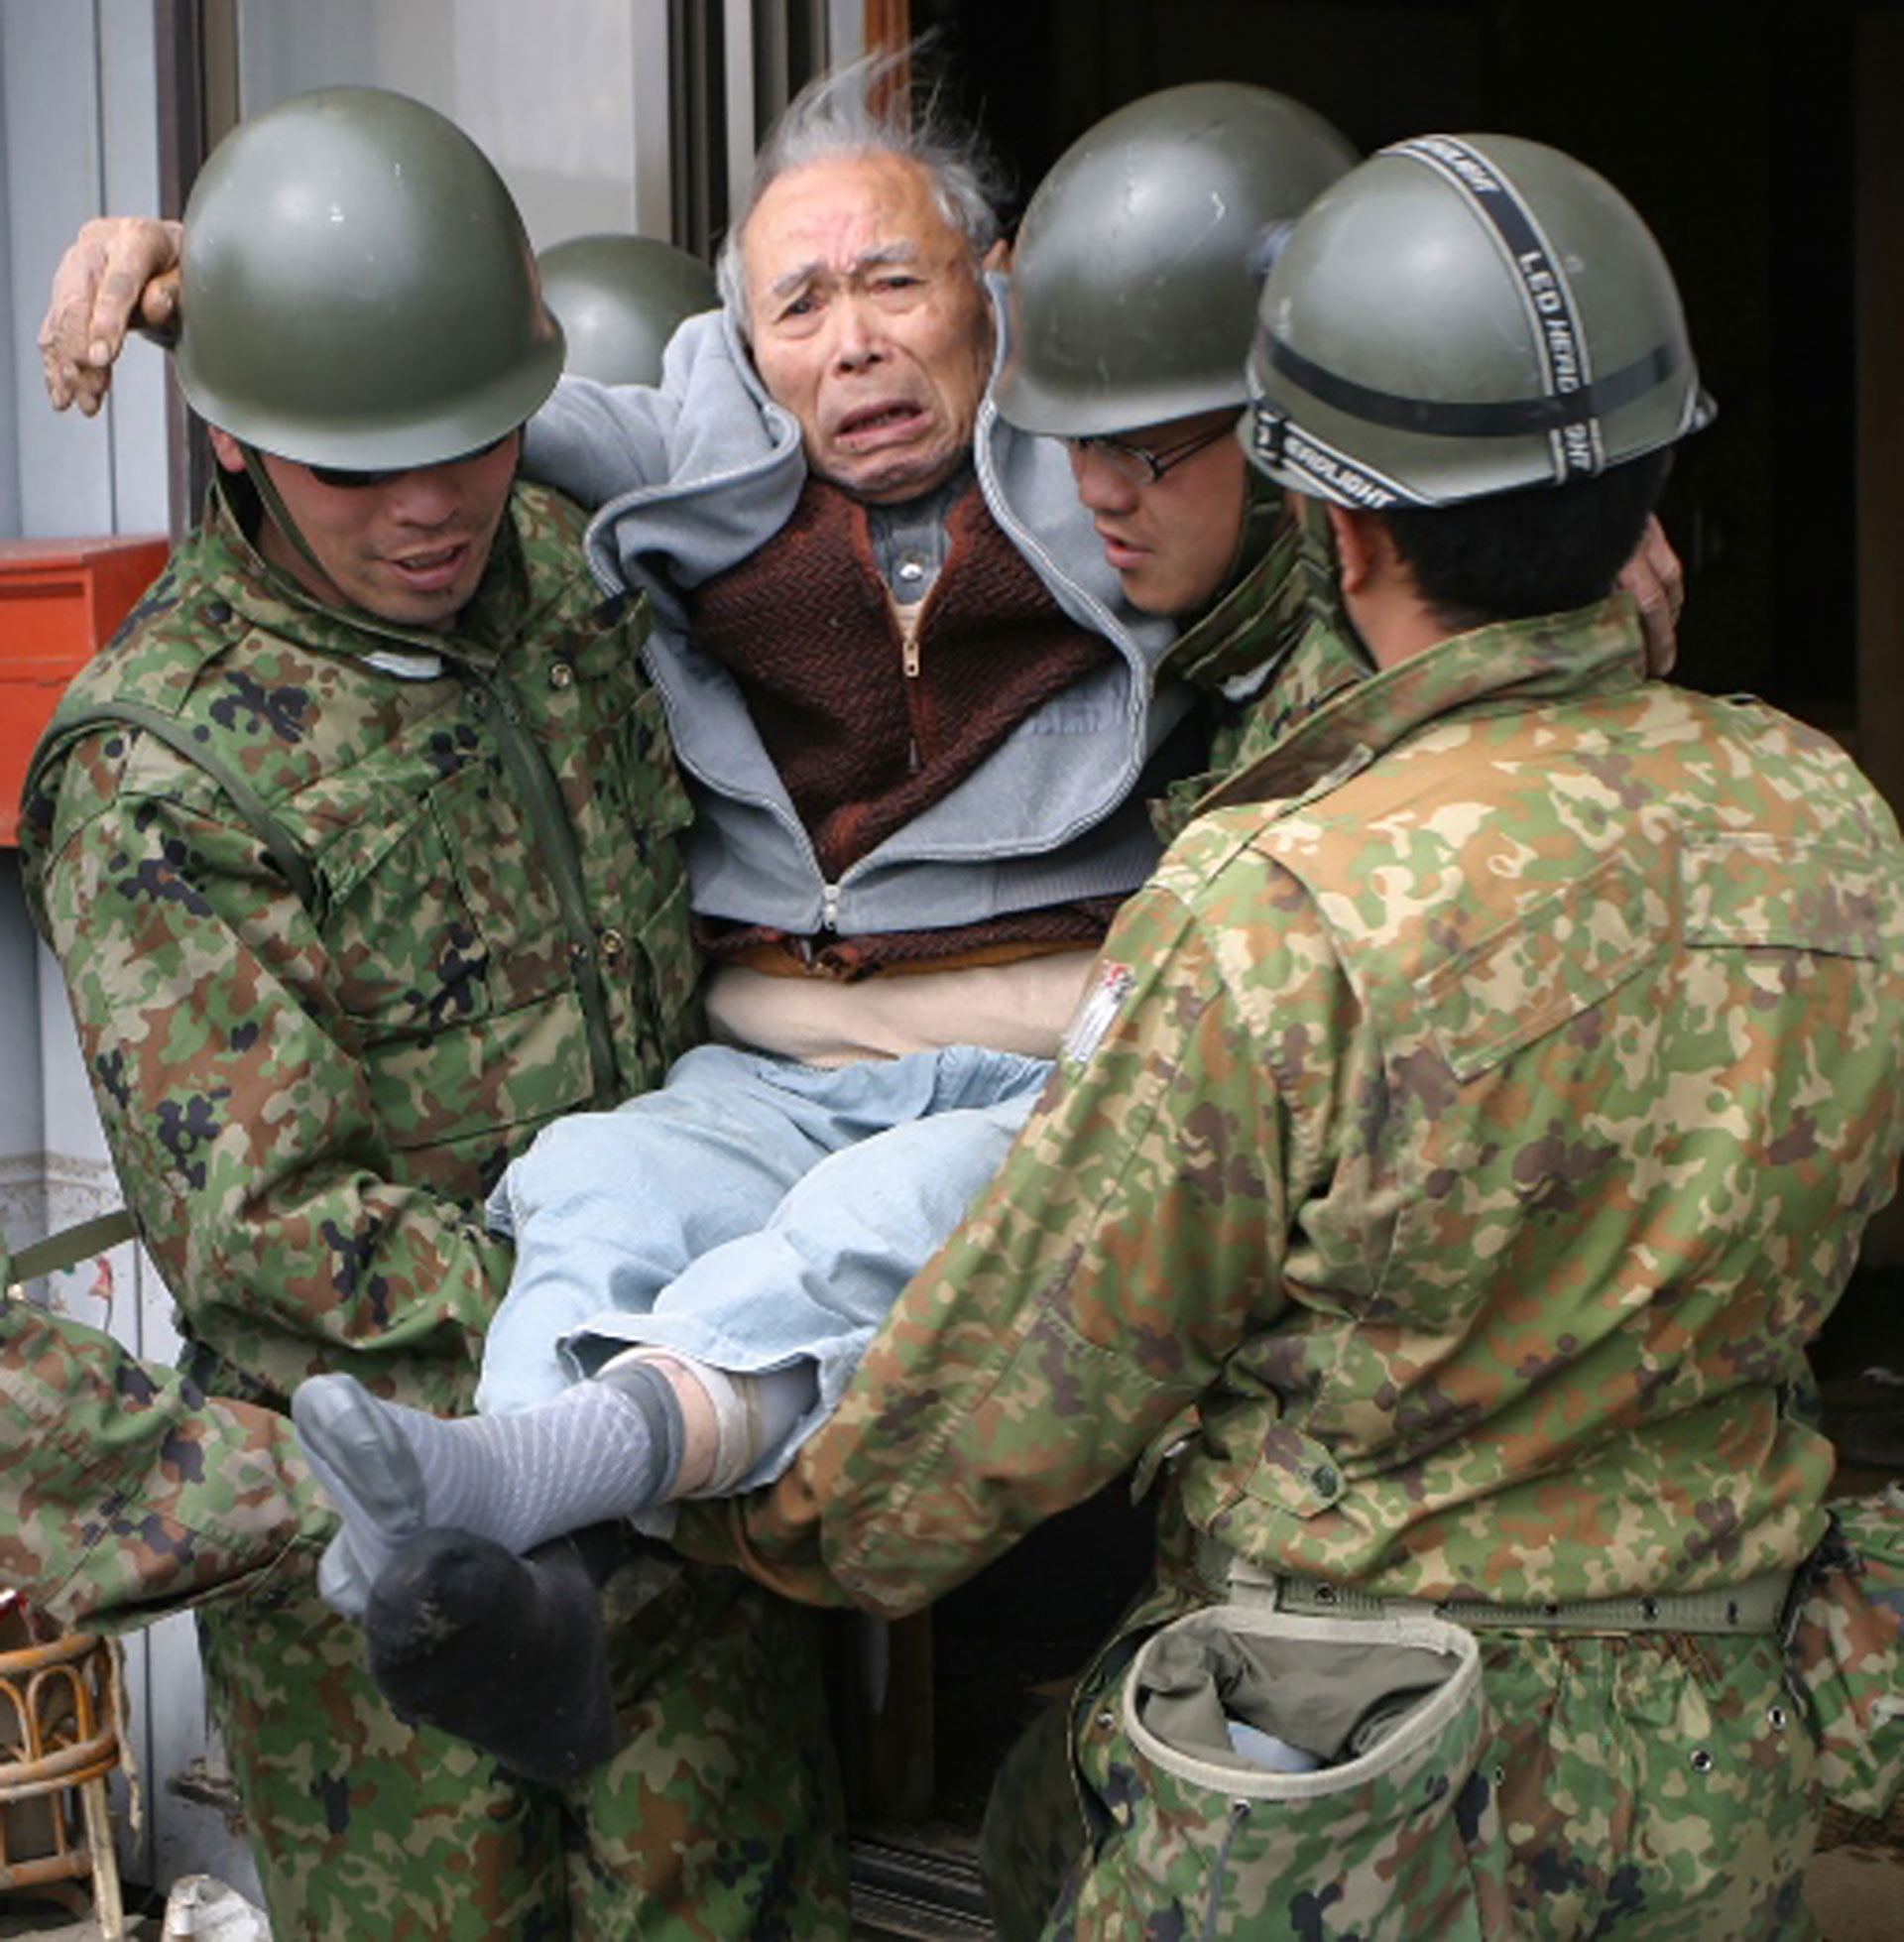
(1754, 1607)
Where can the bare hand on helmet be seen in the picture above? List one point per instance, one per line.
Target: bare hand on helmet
(120, 273)
(1654, 578)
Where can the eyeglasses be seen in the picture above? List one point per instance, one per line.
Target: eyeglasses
(1138, 464)
(341, 479)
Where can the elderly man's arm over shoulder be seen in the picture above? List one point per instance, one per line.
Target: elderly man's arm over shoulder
(120, 274)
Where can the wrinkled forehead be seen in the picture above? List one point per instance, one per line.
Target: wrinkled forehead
(842, 217)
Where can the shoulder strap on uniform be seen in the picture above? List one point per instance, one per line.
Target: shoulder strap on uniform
(66, 1249)
(272, 833)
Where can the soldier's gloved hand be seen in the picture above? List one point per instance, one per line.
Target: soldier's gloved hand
(120, 273)
(1654, 578)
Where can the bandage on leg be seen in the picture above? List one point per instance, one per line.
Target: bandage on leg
(746, 1417)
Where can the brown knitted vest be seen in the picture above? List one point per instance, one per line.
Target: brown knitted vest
(805, 627)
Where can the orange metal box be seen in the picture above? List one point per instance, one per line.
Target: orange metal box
(60, 601)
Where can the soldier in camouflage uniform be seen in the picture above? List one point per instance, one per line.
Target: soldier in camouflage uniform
(1134, 294)
(1478, 1114)
(357, 846)
(1130, 342)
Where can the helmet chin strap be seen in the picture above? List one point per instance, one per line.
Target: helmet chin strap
(274, 509)
(271, 501)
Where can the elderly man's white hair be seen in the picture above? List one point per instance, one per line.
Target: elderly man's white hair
(833, 118)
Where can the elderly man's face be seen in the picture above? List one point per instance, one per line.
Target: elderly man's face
(868, 322)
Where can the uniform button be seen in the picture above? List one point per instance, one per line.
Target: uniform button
(911, 568)
(1325, 1479)
(613, 947)
(218, 612)
(561, 675)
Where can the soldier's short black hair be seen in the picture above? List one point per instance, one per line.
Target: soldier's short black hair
(1539, 551)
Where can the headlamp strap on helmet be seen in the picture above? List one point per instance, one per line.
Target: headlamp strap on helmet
(1565, 360)
(1268, 433)
(1281, 446)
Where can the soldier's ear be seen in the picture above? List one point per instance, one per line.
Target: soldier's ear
(1358, 536)
(227, 449)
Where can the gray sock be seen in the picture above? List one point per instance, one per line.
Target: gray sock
(598, 1450)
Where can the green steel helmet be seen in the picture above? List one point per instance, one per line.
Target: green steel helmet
(1137, 263)
(618, 300)
(358, 289)
(1465, 315)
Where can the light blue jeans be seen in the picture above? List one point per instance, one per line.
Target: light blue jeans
(749, 1212)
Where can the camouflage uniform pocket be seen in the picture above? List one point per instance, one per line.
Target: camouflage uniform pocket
(1847, 1653)
(1396, 1834)
(409, 953)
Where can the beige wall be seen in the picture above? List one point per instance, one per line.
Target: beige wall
(567, 97)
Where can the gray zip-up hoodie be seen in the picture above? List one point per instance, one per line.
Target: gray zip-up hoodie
(692, 477)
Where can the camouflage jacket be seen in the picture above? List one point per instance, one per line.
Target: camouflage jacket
(406, 898)
(1478, 1114)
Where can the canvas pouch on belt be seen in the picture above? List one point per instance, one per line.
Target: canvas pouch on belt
(1847, 1652)
(1395, 1835)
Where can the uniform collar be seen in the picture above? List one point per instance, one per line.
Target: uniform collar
(1234, 646)
(1253, 630)
(1597, 650)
